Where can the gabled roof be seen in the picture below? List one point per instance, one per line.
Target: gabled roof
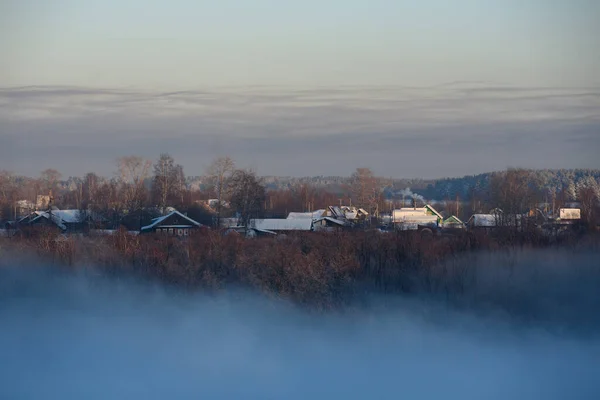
(340, 222)
(483, 220)
(412, 212)
(157, 221)
(433, 210)
(298, 215)
(453, 219)
(289, 224)
(51, 216)
(337, 212)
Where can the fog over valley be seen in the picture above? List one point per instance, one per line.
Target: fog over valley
(84, 335)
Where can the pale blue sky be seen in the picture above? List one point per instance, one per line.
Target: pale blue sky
(191, 43)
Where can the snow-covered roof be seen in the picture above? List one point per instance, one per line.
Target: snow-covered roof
(488, 220)
(453, 219)
(340, 222)
(414, 218)
(313, 215)
(248, 233)
(288, 224)
(70, 216)
(433, 210)
(337, 212)
(157, 221)
(417, 211)
(52, 216)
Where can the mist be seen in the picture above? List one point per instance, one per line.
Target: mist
(82, 334)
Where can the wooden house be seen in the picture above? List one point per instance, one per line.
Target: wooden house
(172, 224)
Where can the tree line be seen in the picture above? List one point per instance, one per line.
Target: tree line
(139, 185)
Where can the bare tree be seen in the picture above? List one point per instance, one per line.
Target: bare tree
(90, 185)
(169, 180)
(219, 174)
(49, 180)
(9, 190)
(513, 192)
(247, 195)
(588, 193)
(305, 193)
(133, 171)
(367, 189)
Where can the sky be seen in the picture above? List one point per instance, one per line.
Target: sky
(186, 43)
(334, 50)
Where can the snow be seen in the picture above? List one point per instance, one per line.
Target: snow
(414, 218)
(158, 220)
(290, 224)
(487, 220)
(70, 216)
(299, 215)
(334, 220)
(407, 213)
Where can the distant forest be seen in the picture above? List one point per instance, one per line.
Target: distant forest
(465, 187)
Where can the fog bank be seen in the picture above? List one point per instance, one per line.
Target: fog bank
(85, 336)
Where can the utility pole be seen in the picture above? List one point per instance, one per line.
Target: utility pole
(456, 205)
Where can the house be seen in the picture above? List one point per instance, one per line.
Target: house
(411, 218)
(23, 208)
(453, 222)
(354, 213)
(172, 224)
(331, 224)
(269, 226)
(569, 214)
(345, 213)
(334, 212)
(483, 221)
(282, 225)
(273, 225)
(64, 220)
(303, 215)
(496, 219)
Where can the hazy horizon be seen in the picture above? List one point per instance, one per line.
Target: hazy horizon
(406, 88)
(448, 130)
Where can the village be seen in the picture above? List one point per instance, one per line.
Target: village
(238, 201)
(421, 218)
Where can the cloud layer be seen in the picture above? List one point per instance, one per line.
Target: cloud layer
(446, 130)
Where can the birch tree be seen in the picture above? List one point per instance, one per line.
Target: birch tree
(247, 195)
(219, 174)
(133, 171)
(169, 181)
